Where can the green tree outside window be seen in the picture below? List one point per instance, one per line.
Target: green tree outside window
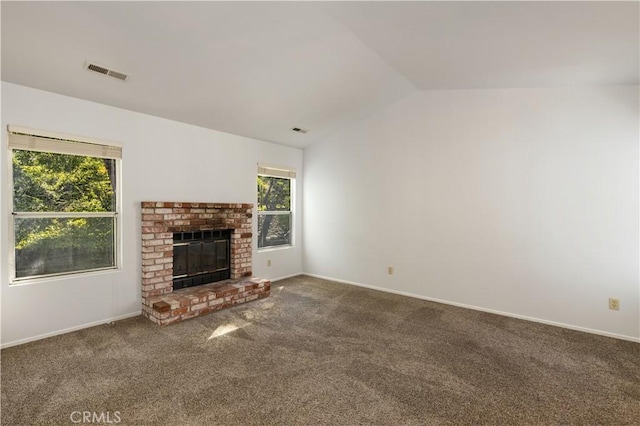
(274, 211)
(64, 213)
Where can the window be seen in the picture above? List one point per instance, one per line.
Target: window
(275, 221)
(65, 204)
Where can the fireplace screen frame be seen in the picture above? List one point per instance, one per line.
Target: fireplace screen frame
(201, 257)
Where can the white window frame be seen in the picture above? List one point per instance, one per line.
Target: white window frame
(279, 172)
(23, 138)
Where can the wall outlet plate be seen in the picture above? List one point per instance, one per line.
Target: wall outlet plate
(614, 304)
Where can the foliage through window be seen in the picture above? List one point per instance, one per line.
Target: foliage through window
(64, 212)
(274, 211)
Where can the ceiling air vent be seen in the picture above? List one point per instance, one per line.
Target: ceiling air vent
(106, 71)
(300, 130)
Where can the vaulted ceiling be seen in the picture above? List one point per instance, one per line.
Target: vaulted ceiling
(258, 69)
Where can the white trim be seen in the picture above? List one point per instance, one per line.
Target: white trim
(8, 199)
(69, 330)
(275, 248)
(285, 277)
(54, 215)
(118, 239)
(35, 279)
(478, 308)
(291, 212)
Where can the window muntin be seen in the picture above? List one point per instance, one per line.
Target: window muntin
(65, 207)
(275, 221)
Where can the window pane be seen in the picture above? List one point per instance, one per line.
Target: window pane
(58, 245)
(274, 194)
(274, 230)
(48, 182)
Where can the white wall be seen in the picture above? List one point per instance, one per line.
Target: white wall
(163, 160)
(521, 201)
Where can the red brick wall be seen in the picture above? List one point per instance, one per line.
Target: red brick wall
(161, 219)
(195, 301)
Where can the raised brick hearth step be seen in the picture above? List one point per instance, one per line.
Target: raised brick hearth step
(194, 301)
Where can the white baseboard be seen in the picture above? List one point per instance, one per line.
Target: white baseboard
(285, 277)
(68, 330)
(478, 308)
(93, 324)
(386, 290)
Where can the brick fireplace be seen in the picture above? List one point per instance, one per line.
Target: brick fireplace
(160, 220)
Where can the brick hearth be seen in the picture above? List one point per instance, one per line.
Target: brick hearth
(160, 220)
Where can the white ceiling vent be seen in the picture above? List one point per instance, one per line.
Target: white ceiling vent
(300, 130)
(106, 71)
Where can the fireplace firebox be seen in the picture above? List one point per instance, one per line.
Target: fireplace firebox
(200, 257)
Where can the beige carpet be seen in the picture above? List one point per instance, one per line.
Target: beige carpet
(317, 352)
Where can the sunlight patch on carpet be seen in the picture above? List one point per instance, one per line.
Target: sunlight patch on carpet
(223, 329)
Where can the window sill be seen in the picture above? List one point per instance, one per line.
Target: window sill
(276, 248)
(61, 277)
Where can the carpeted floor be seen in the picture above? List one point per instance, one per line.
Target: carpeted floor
(317, 352)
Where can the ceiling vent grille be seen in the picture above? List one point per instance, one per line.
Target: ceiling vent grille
(106, 71)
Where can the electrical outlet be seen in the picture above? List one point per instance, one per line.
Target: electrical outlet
(390, 270)
(269, 262)
(614, 304)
